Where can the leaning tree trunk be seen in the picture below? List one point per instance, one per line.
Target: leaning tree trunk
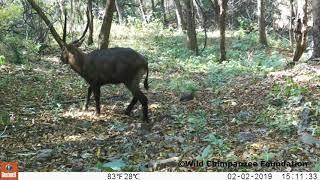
(191, 27)
(54, 33)
(301, 29)
(143, 11)
(316, 29)
(262, 23)
(223, 4)
(180, 18)
(90, 37)
(106, 25)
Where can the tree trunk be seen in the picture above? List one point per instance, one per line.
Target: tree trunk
(262, 23)
(191, 27)
(215, 6)
(291, 33)
(199, 12)
(106, 25)
(64, 32)
(143, 11)
(164, 15)
(72, 19)
(90, 38)
(180, 18)
(316, 28)
(301, 29)
(223, 4)
(204, 23)
(120, 17)
(153, 6)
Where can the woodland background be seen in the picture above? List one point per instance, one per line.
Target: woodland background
(233, 80)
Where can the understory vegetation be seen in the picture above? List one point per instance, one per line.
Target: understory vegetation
(248, 108)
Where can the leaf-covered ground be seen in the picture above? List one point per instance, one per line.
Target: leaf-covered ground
(248, 117)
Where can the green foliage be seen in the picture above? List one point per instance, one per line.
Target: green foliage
(245, 57)
(317, 131)
(216, 145)
(14, 46)
(217, 142)
(282, 117)
(101, 166)
(289, 89)
(4, 119)
(267, 156)
(278, 41)
(9, 15)
(206, 154)
(317, 167)
(182, 85)
(180, 119)
(197, 122)
(219, 74)
(2, 60)
(247, 24)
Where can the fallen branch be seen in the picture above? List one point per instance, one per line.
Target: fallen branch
(1, 135)
(170, 162)
(163, 163)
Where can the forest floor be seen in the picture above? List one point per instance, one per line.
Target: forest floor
(250, 117)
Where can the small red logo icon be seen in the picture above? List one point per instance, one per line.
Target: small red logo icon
(9, 171)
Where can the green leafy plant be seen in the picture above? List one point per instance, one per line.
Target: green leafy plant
(281, 120)
(2, 60)
(290, 88)
(217, 142)
(197, 122)
(4, 119)
(180, 119)
(317, 167)
(182, 85)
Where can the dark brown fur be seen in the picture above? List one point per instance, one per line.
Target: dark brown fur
(110, 66)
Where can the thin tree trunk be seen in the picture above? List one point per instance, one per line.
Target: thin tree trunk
(64, 34)
(164, 15)
(204, 23)
(291, 33)
(106, 25)
(120, 17)
(301, 29)
(191, 27)
(72, 19)
(143, 11)
(90, 37)
(223, 4)
(262, 23)
(216, 8)
(199, 12)
(316, 28)
(153, 6)
(180, 18)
